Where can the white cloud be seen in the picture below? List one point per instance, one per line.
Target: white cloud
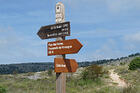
(121, 6)
(132, 41)
(129, 43)
(17, 48)
(133, 38)
(99, 33)
(114, 6)
(108, 50)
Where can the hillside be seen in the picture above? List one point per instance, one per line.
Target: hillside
(112, 79)
(36, 67)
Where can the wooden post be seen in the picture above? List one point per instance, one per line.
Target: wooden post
(60, 77)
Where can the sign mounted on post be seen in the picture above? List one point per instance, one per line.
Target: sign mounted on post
(60, 47)
(65, 65)
(64, 47)
(54, 31)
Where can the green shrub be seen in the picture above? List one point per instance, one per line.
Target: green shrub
(134, 64)
(92, 72)
(82, 82)
(15, 72)
(129, 89)
(122, 63)
(2, 89)
(50, 72)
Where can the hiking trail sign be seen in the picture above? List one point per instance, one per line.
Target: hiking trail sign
(54, 31)
(64, 47)
(60, 47)
(65, 65)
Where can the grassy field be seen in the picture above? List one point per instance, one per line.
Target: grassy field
(20, 83)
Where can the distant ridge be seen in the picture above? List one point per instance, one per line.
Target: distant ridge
(110, 61)
(36, 67)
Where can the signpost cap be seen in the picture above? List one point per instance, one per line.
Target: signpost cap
(60, 12)
(59, 3)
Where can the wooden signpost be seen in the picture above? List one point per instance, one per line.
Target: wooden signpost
(54, 31)
(61, 47)
(65, 65)
(64, 47)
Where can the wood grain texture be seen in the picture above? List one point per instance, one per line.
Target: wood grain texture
(60, 83)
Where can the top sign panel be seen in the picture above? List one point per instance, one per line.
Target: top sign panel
(54, 31)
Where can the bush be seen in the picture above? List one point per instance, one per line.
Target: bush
(92, 72)
(129, 89)
(2, 89)
(134, 64)
(82, 82)
(50, 72)
(122, 63)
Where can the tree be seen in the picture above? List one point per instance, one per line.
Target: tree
(92, 72)
(134, 64)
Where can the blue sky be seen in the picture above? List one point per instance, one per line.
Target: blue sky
(106, 28)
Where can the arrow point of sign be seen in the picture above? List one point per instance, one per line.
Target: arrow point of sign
(71, 64)
(79, 45)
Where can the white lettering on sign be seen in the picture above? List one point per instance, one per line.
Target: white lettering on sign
(60, 47)
(66, 47)
(65, 29)
(59, 26)
(60, 65)
(50, 52)
(50, 44)
(63, 33)
(50, 35)
(65, 25)
(54, 44)
(59, 43)
(60, 33)
(53, 48)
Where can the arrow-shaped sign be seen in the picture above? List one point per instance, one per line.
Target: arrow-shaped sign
(65, 65)
(54, 31)
(64, 47)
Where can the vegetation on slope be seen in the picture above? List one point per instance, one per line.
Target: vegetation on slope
(92, 72)
(130, 76)
(135, 64)
(90, 80)
(36, 67)
(2, 89)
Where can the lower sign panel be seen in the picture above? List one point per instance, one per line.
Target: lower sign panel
(65, 65)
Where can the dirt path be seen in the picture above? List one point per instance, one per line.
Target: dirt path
(116, 79)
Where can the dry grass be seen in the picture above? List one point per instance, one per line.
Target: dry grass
(20, 84)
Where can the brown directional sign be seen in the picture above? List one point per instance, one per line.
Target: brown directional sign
(64, 47)
(65, 65)
(54, 31)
